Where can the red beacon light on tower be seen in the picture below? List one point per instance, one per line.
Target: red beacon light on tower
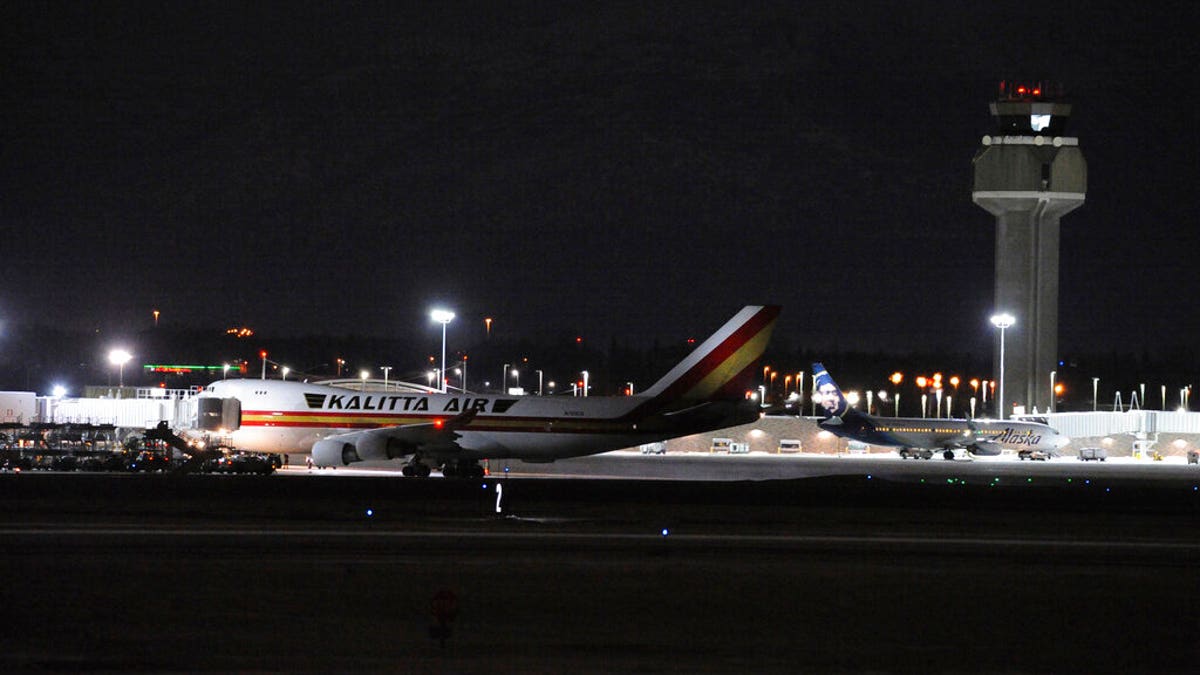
(1013, 91)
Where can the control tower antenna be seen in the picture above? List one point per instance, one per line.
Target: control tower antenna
(1028, 174)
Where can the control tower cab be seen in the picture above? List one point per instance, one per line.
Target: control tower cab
(1028, 174)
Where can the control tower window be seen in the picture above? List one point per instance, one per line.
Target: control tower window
(1039, 122)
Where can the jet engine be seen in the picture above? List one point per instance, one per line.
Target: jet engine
(985, 448)
(357, 447)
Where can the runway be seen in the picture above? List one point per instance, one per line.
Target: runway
(332, 572)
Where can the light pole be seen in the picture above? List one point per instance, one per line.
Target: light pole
(443, 317)
(285, 372)
(385, 370)
(504, 380)
(119, 357)
(1002, 321)
(539, 382)
(224, 371)
(1095, 388)
(363, 375)
(1053, 373)
(585, 383)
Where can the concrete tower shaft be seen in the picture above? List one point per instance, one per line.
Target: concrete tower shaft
(1028, 179)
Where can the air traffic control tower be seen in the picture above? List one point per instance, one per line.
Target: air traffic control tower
(1028, 174)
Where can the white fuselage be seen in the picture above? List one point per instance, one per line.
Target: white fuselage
(979, 436)
(289, 417)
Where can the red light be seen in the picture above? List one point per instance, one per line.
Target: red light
(1037, 92)
(1021, 90)
(578, 339)
(438, 424)
(262, 354)
(691, 341)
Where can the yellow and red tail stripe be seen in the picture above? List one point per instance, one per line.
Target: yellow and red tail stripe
(724, 366)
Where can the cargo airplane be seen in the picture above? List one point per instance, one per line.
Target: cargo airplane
(920, 437)
(706, 391)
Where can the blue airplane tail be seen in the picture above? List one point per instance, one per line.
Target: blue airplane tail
(832, 402)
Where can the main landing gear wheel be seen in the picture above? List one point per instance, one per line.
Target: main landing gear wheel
(948, 455)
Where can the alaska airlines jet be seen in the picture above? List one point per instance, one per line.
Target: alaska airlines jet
(919, 437)
(706, 391)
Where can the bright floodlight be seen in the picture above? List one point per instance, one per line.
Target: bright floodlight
(59, 391)
(119, 357)
(1003, 320)
(443, 317)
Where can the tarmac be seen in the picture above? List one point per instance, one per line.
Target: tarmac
(364, 571)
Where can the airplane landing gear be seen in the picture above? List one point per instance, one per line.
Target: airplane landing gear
(948, 455)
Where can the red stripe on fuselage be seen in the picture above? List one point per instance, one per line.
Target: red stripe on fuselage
(510, 424)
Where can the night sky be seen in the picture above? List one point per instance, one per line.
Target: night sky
(599, 169)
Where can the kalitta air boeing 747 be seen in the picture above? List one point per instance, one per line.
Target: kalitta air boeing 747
(706, 391)
(920, 437)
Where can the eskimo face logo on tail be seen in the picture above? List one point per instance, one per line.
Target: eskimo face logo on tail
(833, 404)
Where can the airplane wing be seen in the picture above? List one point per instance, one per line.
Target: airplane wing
(439, 437)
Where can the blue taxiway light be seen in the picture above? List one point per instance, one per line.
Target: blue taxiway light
(370, 512)
(665, 532)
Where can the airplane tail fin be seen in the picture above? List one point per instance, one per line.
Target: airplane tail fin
(723, 366)
(833, 402)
